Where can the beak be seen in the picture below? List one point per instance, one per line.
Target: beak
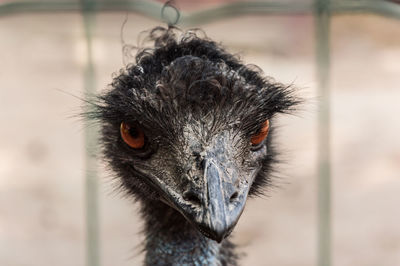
(215, 208)
(221, 209)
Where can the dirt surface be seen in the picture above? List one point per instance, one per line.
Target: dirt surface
(42, 150)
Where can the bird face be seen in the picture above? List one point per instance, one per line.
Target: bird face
(189, 126)
(204, 173)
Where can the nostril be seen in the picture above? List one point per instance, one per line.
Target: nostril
(192, 197)
(202, 164)
(233, 197)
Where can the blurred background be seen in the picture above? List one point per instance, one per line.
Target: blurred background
(43, 152)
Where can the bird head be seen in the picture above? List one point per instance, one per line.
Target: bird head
(190, 125)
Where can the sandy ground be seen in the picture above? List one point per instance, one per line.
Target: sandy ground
(42, 151)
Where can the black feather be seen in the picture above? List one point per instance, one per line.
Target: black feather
(184, 73)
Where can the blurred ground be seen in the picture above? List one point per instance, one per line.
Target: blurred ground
(42, 149)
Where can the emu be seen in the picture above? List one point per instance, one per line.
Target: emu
(187, 130)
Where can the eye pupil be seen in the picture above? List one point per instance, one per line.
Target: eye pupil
(132, 136)
(133, 132)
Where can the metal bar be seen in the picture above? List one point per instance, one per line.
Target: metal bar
(147, 8)
(322, 34)
(382, 7)
(91, 182)
(153, 9)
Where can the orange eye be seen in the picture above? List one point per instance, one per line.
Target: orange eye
(132, 136)
(261, 135)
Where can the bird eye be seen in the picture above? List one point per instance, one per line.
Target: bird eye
(261, 135)
(132, 136)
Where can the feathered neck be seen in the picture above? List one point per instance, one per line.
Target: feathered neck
(171, 240)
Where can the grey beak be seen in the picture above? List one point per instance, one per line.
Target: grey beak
(219, 212)
(215, 208)
(221, 202)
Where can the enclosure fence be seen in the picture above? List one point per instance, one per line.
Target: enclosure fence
(322, 11)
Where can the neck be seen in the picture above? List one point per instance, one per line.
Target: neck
(171, 240)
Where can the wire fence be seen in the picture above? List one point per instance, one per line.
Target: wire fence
(322, 11)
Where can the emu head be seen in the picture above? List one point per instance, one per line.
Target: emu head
(188, 125)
